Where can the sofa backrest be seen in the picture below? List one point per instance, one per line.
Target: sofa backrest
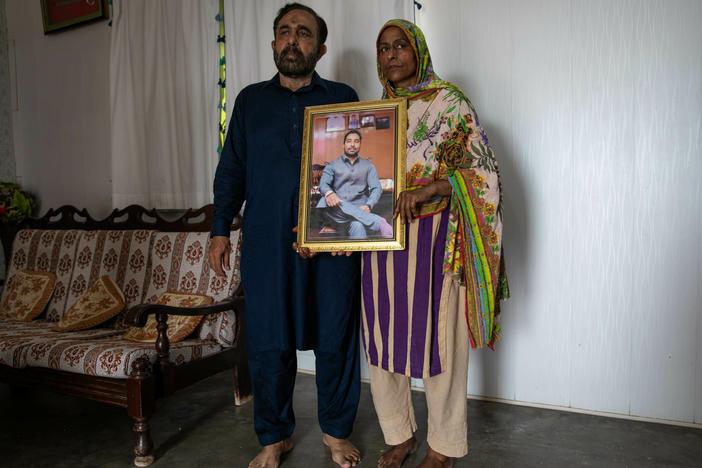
(179, 263)
(51, 250)
(120, 254)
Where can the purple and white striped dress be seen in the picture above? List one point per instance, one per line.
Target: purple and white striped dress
(402, 290)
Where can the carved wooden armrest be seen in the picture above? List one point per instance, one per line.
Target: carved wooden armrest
(136, 316)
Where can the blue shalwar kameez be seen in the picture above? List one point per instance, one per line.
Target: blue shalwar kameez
(291, 303)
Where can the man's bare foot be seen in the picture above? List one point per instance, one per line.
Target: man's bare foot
(434, 459)
(270, 455)
(343, 452)
(395, 456)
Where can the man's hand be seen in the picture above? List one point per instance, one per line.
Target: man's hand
(332, 199)
(219, 254)
(303, 252)
(365, 208)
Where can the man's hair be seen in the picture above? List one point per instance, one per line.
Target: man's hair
(321, 24)
(353, 131)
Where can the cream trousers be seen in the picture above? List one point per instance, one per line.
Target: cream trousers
(447, 431)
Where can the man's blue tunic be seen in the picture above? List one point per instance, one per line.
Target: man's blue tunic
(290, 302)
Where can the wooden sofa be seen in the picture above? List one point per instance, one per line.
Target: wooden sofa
(144, 254)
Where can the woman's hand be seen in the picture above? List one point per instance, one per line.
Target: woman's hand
(409, 201)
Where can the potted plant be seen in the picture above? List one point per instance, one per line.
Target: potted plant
(16, 205)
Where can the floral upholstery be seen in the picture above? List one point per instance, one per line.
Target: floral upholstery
(121, 255)
(179, 263)
(109, 357)
(143, 264)
(16, 337)
(46, 250)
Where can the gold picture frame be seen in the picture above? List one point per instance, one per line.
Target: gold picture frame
(327, 161)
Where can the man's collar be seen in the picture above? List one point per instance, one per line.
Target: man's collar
(347, 159)
(316, 81)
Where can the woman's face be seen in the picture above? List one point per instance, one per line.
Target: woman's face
(396, 57)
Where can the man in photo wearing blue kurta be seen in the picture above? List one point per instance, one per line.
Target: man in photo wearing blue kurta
(293, 301)
(350, 189)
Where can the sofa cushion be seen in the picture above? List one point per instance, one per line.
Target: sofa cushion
(102, 301)
(179, 262)
(179, 326)
(121, 255)
(16, 337)
(110, 357)
(46, 250)
(27, 294)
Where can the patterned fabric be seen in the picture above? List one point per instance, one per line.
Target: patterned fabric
(27, 294)
(46, 250)
(16, 337)
(102, 301)
(178, 326)
(179, 263)
(445, 141)
(120, 255)
(402, 324)
(109, 357)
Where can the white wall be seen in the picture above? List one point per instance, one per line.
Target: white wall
(594, 111)
(61, 125)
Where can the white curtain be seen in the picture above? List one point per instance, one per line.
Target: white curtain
(164, 68)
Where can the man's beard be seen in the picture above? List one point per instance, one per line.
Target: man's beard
(351, 155)
(298, 66)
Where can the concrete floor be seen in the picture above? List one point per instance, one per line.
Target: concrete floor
(200, 426)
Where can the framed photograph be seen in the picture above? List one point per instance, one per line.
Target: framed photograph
(367, 121)
(61, 14)
(336, 123)
(350, 181)
(382, 123)
(353, 120)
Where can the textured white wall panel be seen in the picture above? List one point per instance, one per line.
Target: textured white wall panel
(600, 57)
(666, 216)
(593, 108)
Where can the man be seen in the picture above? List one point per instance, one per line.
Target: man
(305, 301)
(351, 189)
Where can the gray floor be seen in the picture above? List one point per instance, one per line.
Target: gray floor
(200, 426)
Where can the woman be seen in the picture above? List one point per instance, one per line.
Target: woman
(422, 306)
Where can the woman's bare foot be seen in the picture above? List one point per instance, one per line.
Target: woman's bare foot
(395, 456)
(434, 459)
(270, 455)
(343, 452)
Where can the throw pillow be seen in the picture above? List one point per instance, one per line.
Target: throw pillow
(102, 301)
(179, 326)
(27, 295)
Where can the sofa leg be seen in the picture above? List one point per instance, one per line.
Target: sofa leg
(141, 397)
(144, 446)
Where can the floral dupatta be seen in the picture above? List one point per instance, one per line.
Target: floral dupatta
(474, 240)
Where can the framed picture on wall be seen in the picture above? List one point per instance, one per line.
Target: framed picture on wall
(382, 123)
(353, 120)
(350, 181)
(367, 121)
(61, 14)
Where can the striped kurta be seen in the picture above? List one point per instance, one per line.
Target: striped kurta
(403, 319)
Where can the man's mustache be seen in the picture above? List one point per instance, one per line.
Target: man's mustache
(290, 48)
